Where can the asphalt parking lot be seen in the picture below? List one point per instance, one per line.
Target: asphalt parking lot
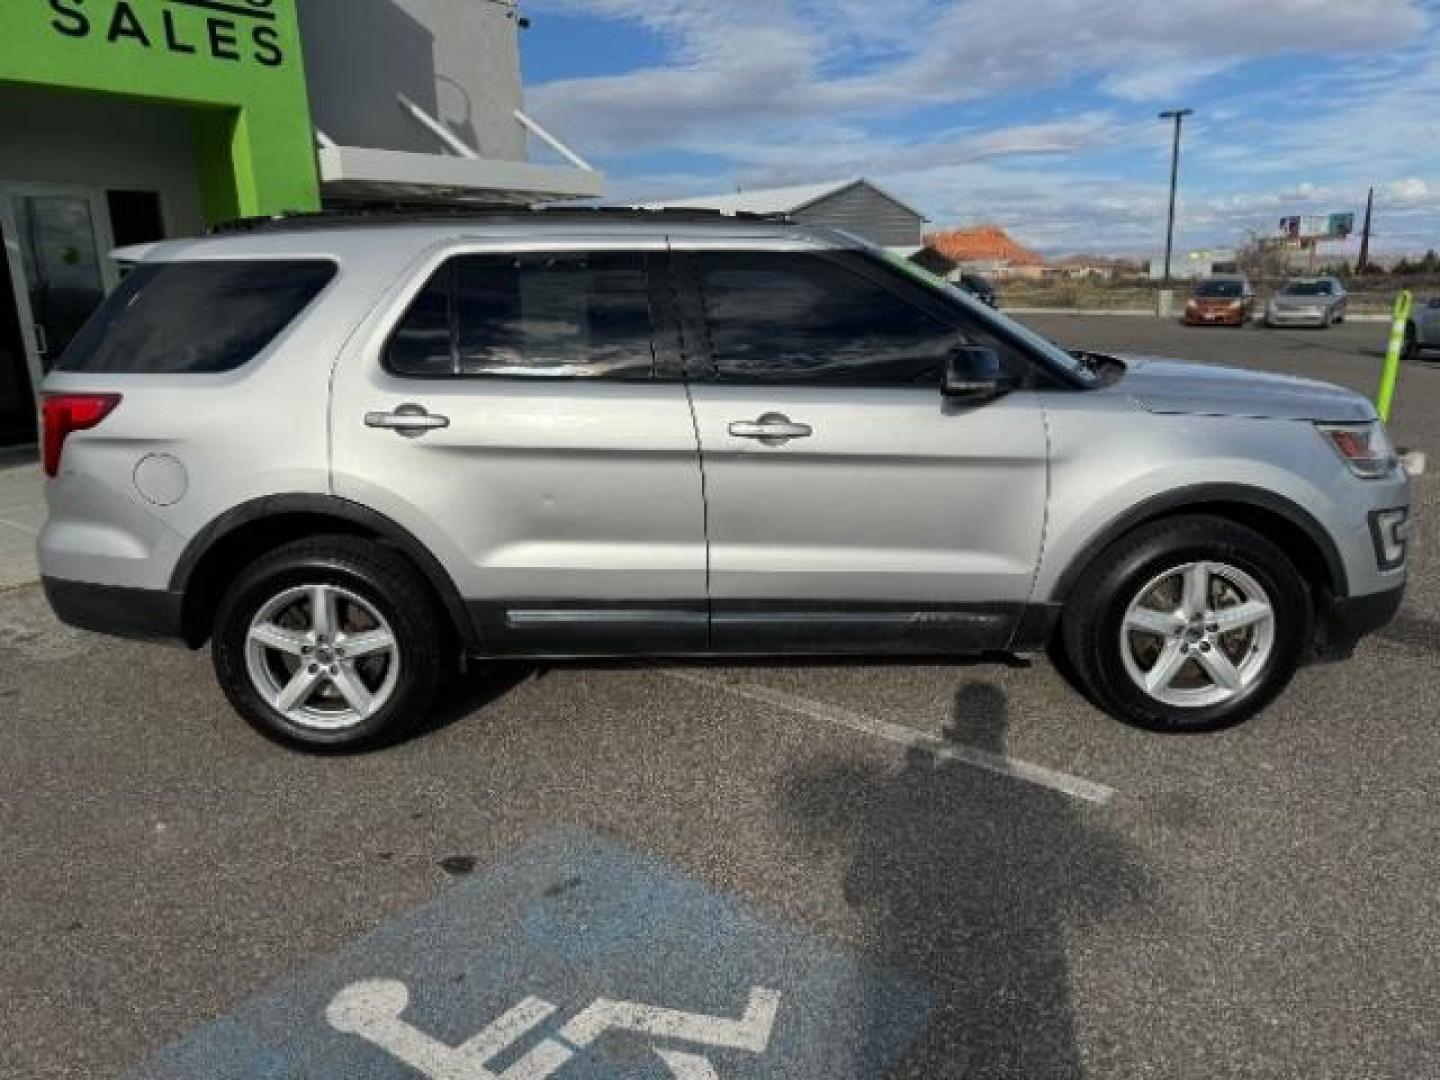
(801, 870)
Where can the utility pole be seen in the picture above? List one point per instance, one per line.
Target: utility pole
(1177, 115)
(1364, 263)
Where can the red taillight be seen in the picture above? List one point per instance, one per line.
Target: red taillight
(63, 413)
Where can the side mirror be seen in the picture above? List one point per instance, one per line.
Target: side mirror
(974, 372)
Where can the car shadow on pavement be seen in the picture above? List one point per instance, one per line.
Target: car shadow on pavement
(469, 693)
(971, 880)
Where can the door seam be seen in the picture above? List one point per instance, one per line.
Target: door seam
(684, 339)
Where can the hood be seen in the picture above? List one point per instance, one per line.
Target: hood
(1301, 301)
(1174, 386)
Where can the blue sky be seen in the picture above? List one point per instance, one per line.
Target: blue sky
(1037, 114)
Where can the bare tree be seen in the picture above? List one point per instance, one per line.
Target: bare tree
(1263, 258)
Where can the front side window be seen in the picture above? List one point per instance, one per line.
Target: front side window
(796, 318)
(570, 315)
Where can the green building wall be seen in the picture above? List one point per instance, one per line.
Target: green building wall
(236, 64)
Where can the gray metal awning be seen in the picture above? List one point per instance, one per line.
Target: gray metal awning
(358, 173)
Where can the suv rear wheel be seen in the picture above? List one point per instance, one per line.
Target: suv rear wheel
(329, 643)
(1189, 624)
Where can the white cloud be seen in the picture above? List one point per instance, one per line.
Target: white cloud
(782, 91)
(1413, 192)
(746, 64)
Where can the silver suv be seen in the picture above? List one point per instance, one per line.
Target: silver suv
(350, 451)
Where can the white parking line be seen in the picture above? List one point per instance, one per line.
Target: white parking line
(1073, 786)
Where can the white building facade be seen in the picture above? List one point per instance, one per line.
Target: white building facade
(421, 101)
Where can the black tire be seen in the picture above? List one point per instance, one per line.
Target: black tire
(1095, 614)
(376, 575)
(1411, 351)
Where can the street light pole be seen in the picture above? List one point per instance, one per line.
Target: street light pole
(1178, 115)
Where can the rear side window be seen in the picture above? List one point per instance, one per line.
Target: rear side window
(194, 317)
(567, 315)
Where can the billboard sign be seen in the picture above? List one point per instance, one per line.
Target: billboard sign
(1318, 226)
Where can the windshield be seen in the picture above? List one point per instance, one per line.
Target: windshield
(1219, 290)
(1306, 288)
(1073, 365)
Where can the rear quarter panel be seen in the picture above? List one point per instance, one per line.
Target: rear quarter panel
(260, 430)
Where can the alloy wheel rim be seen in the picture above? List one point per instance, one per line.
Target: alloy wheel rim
(322, 657)
(1198, 635)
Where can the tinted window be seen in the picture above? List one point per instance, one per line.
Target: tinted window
(559, 316)
(423, 343)
(194, 317)
(805, 318)
(1307, 288)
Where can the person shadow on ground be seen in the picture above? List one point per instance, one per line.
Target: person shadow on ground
(970, 880)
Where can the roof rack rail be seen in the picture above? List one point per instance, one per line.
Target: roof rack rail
(393, 214)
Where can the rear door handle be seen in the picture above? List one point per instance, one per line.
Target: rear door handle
(411, 421)
(772, 429)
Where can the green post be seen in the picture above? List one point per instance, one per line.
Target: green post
(1385, 401)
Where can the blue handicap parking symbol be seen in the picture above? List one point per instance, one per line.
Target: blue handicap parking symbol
(576, 958)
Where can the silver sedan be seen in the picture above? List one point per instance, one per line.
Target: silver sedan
(1318, 302)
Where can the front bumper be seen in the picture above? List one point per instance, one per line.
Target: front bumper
(1297, 318)
(1214, 318)
(1346, 621)
(140, 614)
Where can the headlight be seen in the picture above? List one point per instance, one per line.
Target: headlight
(1364, 447)
(1236, 305)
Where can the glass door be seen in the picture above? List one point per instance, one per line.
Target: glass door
(62, 239)
(57, 241)
(17, 396)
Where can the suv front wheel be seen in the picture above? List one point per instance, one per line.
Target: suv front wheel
(1189, 624)
(329, 643)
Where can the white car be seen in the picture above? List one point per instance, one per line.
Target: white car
(1423, 331)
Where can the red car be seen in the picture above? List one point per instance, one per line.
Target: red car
(1221, 301)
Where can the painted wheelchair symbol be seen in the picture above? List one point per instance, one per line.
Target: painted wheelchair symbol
(372, 1010)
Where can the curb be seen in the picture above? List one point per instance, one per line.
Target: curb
(1127, 312)
(1146, 313)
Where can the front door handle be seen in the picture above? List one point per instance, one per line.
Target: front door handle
(772, 429)
(411, 421)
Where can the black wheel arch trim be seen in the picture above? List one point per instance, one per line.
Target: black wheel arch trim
(332, 506)
(1196, 498)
